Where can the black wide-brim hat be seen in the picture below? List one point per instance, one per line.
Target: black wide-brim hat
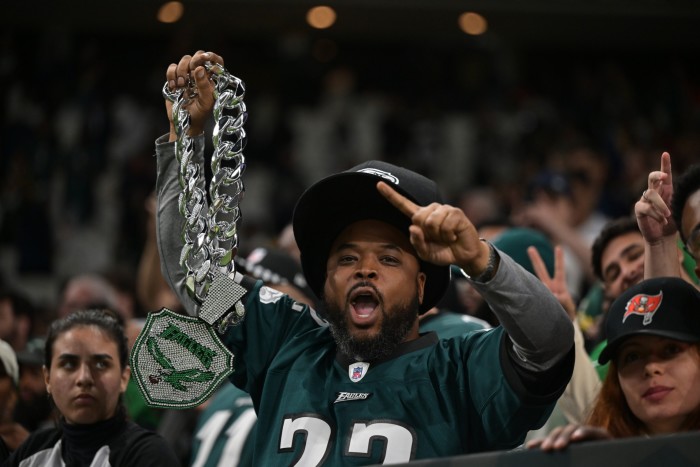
(663, 306)
(333, 203)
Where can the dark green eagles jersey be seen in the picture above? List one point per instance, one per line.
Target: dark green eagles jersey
(430, 399)
(223, 428)
(449, 324)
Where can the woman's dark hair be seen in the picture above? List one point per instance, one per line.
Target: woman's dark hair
(106, 320)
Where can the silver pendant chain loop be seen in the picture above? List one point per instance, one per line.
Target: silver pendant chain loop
(210, 231)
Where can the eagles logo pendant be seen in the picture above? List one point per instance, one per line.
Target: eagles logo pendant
(178, 361)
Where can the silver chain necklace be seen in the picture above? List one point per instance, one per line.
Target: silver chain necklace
(179, 361)
(210, 230)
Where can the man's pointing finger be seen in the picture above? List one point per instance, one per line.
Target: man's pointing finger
(399, 201)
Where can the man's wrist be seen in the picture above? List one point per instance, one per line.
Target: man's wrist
(491, 265)
(664, 243)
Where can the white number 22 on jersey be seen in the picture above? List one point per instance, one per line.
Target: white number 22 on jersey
(399, 440)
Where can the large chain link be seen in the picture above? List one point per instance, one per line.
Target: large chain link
(210, 231)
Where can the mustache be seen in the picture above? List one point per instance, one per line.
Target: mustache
(365, 284)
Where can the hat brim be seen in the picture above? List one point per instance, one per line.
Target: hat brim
(332, 204)
(611, 348)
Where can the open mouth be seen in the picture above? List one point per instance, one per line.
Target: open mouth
(364, 302)
(364, 305)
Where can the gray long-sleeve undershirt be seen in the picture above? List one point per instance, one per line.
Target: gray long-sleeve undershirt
(541, 331)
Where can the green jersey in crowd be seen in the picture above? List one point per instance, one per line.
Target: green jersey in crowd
(223, 428)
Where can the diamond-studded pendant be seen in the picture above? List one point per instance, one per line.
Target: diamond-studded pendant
(178, 361)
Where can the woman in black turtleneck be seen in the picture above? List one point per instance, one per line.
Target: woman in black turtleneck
(86, 373)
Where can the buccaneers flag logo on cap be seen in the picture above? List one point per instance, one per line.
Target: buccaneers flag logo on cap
(644, 305)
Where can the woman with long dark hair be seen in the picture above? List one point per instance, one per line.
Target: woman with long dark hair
(86, 372)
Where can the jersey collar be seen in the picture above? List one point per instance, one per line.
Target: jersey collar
(425, 340)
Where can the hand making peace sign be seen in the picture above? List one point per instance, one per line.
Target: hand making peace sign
(556, 284)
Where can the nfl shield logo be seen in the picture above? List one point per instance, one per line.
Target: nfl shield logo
(357, 371)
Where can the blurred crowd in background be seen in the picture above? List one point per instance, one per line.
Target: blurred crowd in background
(80, 115)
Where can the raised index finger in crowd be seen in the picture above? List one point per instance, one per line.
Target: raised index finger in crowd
(399, 201)
(666, 165)
(665, 162)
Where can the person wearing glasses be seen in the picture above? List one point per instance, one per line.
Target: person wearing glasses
(666, 210)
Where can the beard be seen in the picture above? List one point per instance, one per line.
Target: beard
(396, 322)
